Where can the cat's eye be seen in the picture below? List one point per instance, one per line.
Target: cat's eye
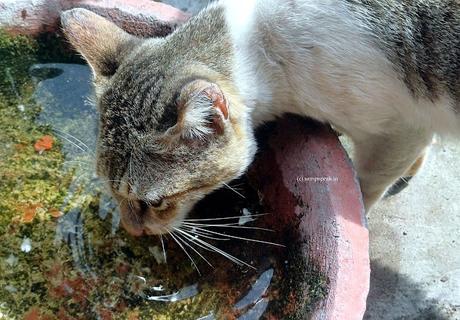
(159, 205)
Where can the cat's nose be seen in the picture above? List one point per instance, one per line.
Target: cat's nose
(140, 208)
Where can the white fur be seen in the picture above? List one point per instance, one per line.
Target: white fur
(311, 57)
(196, 118)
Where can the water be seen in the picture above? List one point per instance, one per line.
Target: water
(63, 253)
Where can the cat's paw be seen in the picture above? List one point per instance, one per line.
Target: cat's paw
(397, 187)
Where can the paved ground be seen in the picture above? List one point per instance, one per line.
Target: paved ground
(415, 245)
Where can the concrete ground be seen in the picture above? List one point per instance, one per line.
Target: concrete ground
(415, 244)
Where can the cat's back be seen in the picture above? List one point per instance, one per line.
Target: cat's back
(384, 53)
(421, 38)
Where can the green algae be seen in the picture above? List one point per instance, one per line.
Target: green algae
(45, 282)
(30, 181)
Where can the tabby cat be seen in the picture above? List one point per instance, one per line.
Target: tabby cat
(177, 114)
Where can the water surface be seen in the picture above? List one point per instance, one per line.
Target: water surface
(63, 254)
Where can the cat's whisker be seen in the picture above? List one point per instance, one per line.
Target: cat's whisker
(228, 218)
(163, 247)
(185, 251)
(77, 165)
(131, 172)
(227, 225)
(215, 249)
(122, 201)
(81, 176)
(235, 237)
(184, 241)
(74, 144)
(119, 181)
(73, 137)
(238, 193)
(136, 217)
(193, 237)
(204, 235)
(80, 162)
(237, 185)
(405, 180)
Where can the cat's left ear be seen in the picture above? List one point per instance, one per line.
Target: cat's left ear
(203, 111)
(101, 42)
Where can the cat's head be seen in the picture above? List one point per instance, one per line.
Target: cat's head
(172, 128)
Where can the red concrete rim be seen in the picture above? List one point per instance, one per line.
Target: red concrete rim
(139, 17)
(305, 172)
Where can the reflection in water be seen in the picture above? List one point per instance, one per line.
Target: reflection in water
(63, 90)
(257, 311)
(258, 290)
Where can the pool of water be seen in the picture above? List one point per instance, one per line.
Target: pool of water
(63, 254)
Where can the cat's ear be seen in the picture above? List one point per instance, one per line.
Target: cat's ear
(203, 111)
(101, 42)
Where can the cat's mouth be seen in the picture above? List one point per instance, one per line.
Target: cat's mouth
(138, 218)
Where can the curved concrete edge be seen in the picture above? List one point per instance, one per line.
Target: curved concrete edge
(139, 17)
(307, 175)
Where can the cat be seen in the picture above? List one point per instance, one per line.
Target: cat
(177, 114)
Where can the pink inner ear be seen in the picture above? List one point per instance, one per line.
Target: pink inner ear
(218, 100)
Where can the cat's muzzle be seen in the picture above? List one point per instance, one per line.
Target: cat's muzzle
(139, 218)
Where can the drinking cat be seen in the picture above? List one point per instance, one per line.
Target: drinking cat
(177, 114)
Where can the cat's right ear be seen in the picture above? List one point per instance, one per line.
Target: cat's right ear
(101, 42)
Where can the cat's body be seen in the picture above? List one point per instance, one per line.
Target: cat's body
(384, 72)
(335, 60)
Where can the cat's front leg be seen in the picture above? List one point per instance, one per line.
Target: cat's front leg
(381, 160)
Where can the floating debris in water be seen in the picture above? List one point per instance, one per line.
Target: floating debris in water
(29, 212)
(257, 311)
(182, 294)
(26, 245)
(10, 289)
(12, 260)
(259, 288)
(159, 288)
(246, 217)
(55, 213)
(21, 108)
(158, 254)
(45, 143)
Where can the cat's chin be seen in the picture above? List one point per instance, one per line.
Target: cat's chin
(136, 231)
(139, 229)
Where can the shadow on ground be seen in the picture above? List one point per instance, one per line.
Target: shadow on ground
(394, 296)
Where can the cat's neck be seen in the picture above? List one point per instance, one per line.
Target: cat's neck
(253, 70)
(224, 38)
